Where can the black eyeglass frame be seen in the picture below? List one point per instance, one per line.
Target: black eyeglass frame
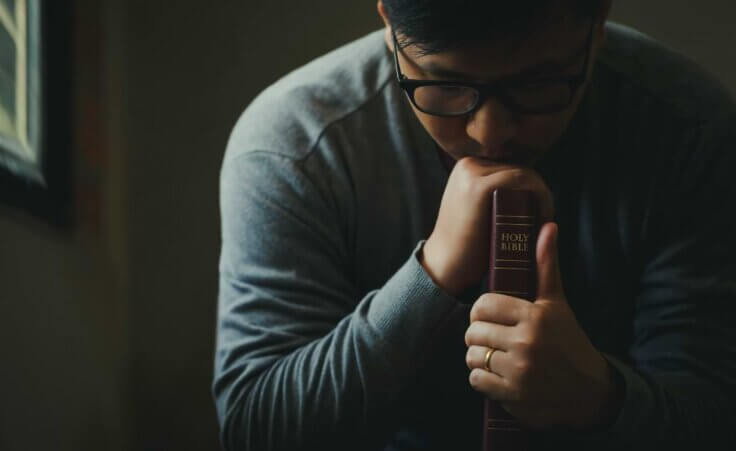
(498, 89)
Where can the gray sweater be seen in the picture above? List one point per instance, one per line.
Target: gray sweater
(330, 335)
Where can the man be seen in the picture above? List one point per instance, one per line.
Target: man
(355, 197)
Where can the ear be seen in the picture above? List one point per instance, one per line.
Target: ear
(384, 16)
(602, 17)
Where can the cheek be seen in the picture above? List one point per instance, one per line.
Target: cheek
(541, 132)
(533, 132)
(449, 133)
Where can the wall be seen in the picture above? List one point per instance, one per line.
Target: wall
(61, 342)
(703, 30)
(192, 68)
(63, 325)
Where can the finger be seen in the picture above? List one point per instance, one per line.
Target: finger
(525, 179)
(498, 175)
(498, 363)
(490, 384)
(489, 335)
(476, 357)
(482, 166)
(498, 308)
(548, 268)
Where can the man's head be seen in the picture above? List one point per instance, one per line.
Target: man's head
(516, 53)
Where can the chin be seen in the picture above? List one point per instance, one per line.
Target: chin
(515, 158)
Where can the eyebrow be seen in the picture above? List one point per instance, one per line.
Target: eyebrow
(544, 67)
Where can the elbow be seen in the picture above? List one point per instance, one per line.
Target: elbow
(232, 406)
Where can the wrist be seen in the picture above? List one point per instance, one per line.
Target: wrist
(431, 268)
(612, 399)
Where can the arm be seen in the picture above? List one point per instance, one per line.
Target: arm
(302, 362)
(679, 385)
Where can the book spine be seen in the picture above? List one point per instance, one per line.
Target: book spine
(512, 271)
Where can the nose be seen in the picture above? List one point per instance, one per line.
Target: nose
(492, 126)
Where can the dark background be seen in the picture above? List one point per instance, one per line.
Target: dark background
(107, 327)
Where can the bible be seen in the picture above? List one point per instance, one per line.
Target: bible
(512, 271)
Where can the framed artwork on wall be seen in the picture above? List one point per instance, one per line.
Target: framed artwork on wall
(35, 108)
(20, 87)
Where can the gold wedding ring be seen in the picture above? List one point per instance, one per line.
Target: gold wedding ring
(489, 354)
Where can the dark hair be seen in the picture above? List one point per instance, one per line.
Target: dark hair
(438, 25)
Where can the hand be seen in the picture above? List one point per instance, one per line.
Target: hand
(545, 371)
(456, 253)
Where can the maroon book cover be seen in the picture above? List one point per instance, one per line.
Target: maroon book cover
(512, 271)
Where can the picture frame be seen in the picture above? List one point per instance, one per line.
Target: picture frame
(35, 108)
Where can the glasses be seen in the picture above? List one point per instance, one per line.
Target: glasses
(450, 98)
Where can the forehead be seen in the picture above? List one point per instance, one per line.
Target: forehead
(556, 42)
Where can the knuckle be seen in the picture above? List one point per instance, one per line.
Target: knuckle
(474, 378)
(476, 187)
(523, 370)
(522, 347)
(514, 177)
(527, 345)
(474, 310)
(481, 307)
(469, 359)
(463, 165)
(470, 186)
(462, 175)
(520, 174)
(522, 367)
(472, 333)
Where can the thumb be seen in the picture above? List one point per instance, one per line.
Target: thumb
(549, 281)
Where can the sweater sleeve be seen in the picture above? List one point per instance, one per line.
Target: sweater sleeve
(303, 361)
(680, 378)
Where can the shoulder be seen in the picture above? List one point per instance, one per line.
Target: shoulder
(659, 75)
(290, 116)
